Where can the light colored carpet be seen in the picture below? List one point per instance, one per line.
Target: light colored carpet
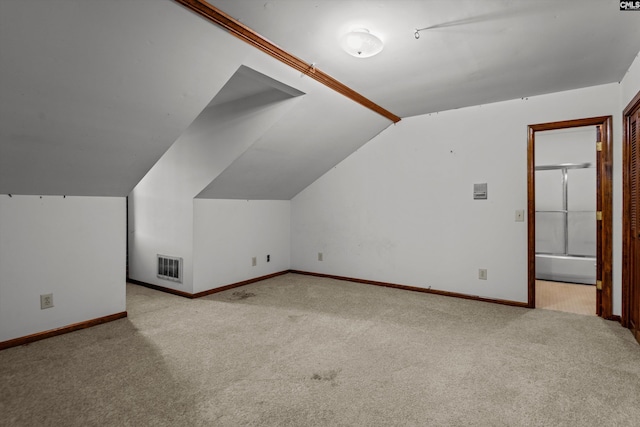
(567, 297)
(303, 351)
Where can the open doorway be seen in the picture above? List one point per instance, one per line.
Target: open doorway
(569, 216)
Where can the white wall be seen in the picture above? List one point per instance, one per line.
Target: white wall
(161, 205)
(630, 84)
(570, 145)
(228, 233)
(401, 210)
(162, 226)
(73, 247)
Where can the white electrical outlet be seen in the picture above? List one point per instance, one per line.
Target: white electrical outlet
(254, 261)
(520, 215)
(320, 256)
(46, 301)
(482, 274)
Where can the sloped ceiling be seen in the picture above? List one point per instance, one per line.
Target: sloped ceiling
(244, 109)
(308, 141)
(247, 83)
(266, 135)
(92, 93)
(473, 52)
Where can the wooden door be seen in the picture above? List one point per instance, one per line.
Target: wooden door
(631, 221)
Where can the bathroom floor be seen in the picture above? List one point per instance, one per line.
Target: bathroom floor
(567, 297)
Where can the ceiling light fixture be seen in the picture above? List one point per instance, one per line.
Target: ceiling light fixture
(361, 43)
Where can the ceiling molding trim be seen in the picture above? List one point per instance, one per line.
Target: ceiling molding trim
(246, 34)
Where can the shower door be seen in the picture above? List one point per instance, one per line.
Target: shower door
(566, 222)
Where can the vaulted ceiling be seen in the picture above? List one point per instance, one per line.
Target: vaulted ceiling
(93, 94)
(472, 52)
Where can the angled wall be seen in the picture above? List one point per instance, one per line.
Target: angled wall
(248, 144)
(161, 205)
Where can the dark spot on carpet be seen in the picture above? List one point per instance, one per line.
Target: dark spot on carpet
(325, 376)
(242, 295)
(295, 317)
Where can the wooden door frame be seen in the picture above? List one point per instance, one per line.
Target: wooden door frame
(604, 171)
(626, 208)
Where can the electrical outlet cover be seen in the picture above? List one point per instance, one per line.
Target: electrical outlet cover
(46, 301)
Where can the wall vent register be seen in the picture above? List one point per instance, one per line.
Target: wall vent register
(170, 268)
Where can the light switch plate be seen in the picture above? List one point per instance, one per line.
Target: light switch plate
(520, 215)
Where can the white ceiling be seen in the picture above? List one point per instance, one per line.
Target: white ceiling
(474, 52)
(93, 93)
(247, 83)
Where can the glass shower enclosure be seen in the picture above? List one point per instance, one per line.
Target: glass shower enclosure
(566, 222)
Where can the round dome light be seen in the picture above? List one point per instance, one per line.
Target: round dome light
(361, 43)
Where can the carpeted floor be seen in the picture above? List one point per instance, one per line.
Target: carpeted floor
(304, 351)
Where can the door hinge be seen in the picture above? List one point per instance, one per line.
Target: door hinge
(599, 146)
(599, 285)
(599, 216)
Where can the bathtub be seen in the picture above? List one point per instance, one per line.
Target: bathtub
(564, 268)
